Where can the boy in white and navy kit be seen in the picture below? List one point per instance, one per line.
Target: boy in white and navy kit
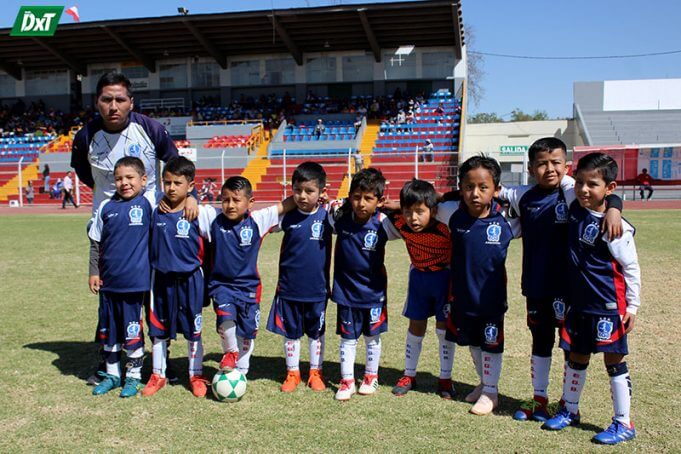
(480, 239)
(360, 280)
(122, 275)
(605, 281)
(177, 250)
(299, 305)
(234, 285)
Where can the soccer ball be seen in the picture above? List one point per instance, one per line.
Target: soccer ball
(229, 386)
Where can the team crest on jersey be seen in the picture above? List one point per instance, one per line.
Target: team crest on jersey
(604, 329)
(493, 233)
(561, 213)
(198, 323)
(183, 227)
(590, 233)
(370, 240)
(133, 330)
(491, 334)
(134, 150)
(559, 308)
(375, 314)
(135, 214)
(246, 236)
(317, 230)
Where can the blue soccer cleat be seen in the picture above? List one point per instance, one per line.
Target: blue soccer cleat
(562, 419)
(616, 433)
(131, 387)
(107, 383)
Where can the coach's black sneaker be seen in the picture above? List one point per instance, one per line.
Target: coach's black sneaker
(96, 378)
(404, 385)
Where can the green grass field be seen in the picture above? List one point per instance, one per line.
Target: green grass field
(48, 319)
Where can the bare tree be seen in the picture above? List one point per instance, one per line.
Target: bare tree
(475, 64)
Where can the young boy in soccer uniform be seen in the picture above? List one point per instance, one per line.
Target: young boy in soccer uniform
(359, 280)
(429, 247)
(299, 305)
(543, 213)
(605, 281)
(234, 285)
(177, 247)
(120, 244)
(480, 238)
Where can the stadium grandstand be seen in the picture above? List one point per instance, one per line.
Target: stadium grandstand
(246, 92)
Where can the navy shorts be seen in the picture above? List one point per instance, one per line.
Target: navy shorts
(545, 312)
(353, 322)
(293, 319)
(484, 332)
(245, 314)
(588, 333)
(176, 305)
(120, 319)
(428, 295)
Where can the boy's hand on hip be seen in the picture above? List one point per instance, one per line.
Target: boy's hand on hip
(628, 320)
(95, 283)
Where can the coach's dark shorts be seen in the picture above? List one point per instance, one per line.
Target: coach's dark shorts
(120, 319)
(293, 319)
(353, 322)
(588, 333)
(176, 306)
(484, 332)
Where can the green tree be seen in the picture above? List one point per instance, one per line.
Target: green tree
(484, 117)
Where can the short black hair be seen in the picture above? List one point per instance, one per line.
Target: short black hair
(368, 180)
(131, 161)
(310, 171)
(238, 184)
(545, 144)
(485, 162)
(600, 162)
(113, 78)
(179, 165)
(416, 192)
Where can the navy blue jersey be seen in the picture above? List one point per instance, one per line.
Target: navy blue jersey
(305, 256)
(176, 244)
(235, 253)
(122, 228)
(604, 275)
(478, 266)
(359, 277)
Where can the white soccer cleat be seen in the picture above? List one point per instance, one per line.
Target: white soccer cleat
(486, 404)
(474, 395)
(369, 385)
(346, 389)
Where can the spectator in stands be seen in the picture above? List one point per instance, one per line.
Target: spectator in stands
(46, 178)
(67, 189)
(207, 190)
(427, 151)
(440, 109)
(55, 192)
(30, 193)
(358, 123)
(645, 184)
(319, 128)
(359, 161)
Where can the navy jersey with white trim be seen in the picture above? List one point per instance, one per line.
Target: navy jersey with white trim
(95, 152)
(177, 245)
(359, 277)
(305, 256)
(235, 253)
(605, 277)
(478, 265)
(122, 228)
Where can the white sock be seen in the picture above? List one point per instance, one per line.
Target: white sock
(135, 371)
(159, 355)
(573, 384)
(348, 351)
(228, 336)
(540, 368)
(447, 350)
(292, 353)
(317, 352)
(491, 371)
(115, 367)
(373, 355)
(195, 356)
(476, 355)
(412, 351)
(246, 347)
(620, 388)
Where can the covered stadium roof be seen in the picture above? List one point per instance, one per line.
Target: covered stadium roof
(370, 27)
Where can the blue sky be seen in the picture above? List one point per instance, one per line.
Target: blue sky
(525, 27)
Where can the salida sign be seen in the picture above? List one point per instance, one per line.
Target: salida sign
(37, 21)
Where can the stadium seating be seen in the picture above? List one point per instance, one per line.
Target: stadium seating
(334, 130)
(227, 142)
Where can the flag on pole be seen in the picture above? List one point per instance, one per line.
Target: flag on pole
(73, 12)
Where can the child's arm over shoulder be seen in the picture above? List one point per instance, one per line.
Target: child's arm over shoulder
(445, 210)
(389, 227)
(267, 218)
(207, 215)
(623, 249)
(513, 194)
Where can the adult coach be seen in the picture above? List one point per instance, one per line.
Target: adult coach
(116, 133)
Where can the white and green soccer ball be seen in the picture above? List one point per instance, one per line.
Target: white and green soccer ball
(229, 386)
